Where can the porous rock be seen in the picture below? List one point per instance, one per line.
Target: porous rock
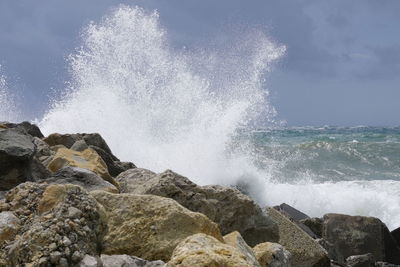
(272, 255)
(355, 235)
(128, 261)
(149, 226)
(305, 250)
(234, 239)
(82, 177)
(203, 251)
(228, 207)
(59, 224)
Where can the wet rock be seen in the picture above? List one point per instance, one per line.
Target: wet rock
(202, 250)
(58, 224)
(355, 235)
(26, 126)
(149, 226)
(82, 177)
(87, 159)
(128, 261)
(305, 250)
(16, 151)
(366, 260)
(228, 207)
(9, 225)
(272, 255)
(234, 239)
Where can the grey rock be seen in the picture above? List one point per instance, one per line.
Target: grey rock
(228, 207)
(9, 225)
(113, 166)
(90, 261)
(95, 139)
(396, 235)
(66, 140)
(55, 257)
(16, 151)
(365, 260)
(355, 235)
(314, 224)
(79, 145)
(385, 264)
(128, 261)
(26, 126)
(79, 176)
(305, 250)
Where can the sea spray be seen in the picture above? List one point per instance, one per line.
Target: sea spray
(8, 103)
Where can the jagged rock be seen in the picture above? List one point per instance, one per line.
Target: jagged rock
(272, 255)
(128, 261)
(9, 224)
(234, 239)
(16, 151)
(149, 226)
(202, 251)
(82, 177)
(366, 260)
(87, 159)
(228, 207)
(26, 126)
(79, 145)
(59, 225)
(314, 224)
(114, 167)
(305, 251)
(355, 235)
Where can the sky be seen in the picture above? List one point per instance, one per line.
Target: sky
(342, 65)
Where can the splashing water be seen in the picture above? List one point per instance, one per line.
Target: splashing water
(8, 107)
(161, 108)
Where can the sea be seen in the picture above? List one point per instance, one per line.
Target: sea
(206, 114)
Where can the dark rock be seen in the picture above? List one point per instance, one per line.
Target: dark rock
(82, 177)
(355, 235)
(66, 140)
(396, 235)
(95, 139)
(365, 260)
(314, 224)
(228, 207)
(16, 151)
(29, 128)
(385, 264)
(291, 212)
(114, 167)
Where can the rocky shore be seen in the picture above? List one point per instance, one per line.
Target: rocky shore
(67, 200)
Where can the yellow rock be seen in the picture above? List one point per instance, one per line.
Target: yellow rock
(201, 250)
(86, 159)
(234, 239)
(2, 126)
(149, 226)
(53, 195)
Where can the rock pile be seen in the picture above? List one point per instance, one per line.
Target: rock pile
(67, 200)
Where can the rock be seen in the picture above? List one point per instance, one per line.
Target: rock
(82, 177)
(9, 225)
(114, 167)
(305, 251)
(272, 255)
(385, 264)
(16, 151)
(396, 235)
(228, 207)
(291, 212)
(314, 224)
(66, 140)
(79, 145)
(128, 261)
(26, 126)
(202, 251)
(366, 260)
(90, 261)
(355, 235)
(95, 139)
(234, 239)
(149, 226)
(87, 159)
(58, 224)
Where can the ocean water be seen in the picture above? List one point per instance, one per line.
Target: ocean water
(205, 113)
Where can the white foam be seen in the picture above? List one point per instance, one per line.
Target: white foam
(8, 105)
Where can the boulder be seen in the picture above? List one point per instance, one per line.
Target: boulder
(87, 159)
(228, 207)
(79, 145)
(305, 250)
(234, 239)
(9, 225)
(66, 140)
(201, 250)
(128, 261)
(90, 261)
(114, 167)
(366, 260)
(272, 255)
(149, 226)
(59, 224)
(396, 235)
(82, 177)
(315, 225)
(26, 126)
(385, 264)
(355, 235)
(16, 152)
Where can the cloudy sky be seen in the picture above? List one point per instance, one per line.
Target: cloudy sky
(342, 65)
